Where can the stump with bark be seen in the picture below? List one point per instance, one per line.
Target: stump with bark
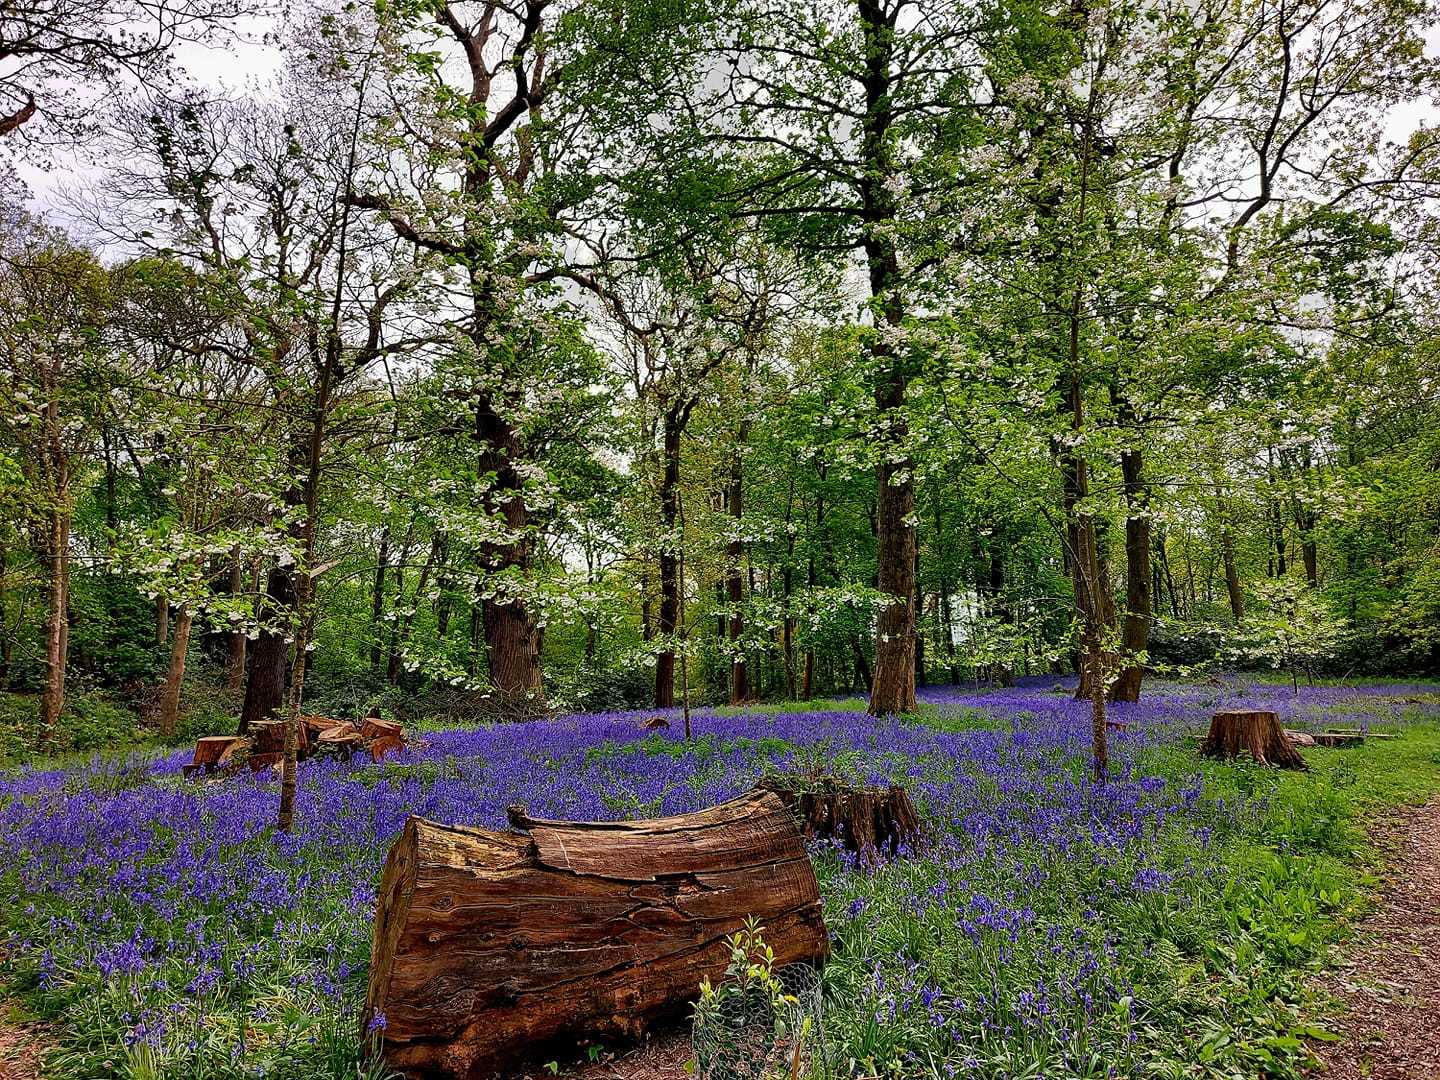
(1253, 731)
(866, 820)
(490, 946)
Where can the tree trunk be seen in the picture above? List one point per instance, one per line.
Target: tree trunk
(1135, 630)
(892, 690)
(669, 615)
(175, 675)
(1232, 575)
(734, 581)
(162, 619)
(57, 623)
(512, 636)
(377, 601)
(1256, 732)
(493, 948)
(862, 665)
(269, 660)
(238, 642)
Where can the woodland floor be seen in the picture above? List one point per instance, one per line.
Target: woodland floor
(22, 1045)
(1388, 977)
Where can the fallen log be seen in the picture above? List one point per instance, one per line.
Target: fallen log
(1336, 739)
(865, 820)
(1253, 731)
(490, 946)
(1356, 731)
(1300, 738)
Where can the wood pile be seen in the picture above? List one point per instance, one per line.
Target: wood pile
(264, 748)
(493, 948)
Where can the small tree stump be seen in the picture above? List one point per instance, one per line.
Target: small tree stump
(491, 947)
(863, 820)
(1252, 731)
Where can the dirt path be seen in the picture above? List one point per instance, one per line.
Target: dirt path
(22, 1045)
(1389, 979)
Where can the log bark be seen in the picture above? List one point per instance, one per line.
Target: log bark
(490, 947)
(1252, 731)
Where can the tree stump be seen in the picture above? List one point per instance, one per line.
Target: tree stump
(1254, 731)
(863, 820)
(490, 946)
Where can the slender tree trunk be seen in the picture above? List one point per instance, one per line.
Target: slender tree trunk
(812, 580)
(377, 600)
(57, 624)
(735, 587)
(237, 643)
(477, 638)
(669, 614)
(162, 619)
(919, 603)
(862, 665)
(175, 675)
(1005, 676)
(1232, 575)
(1135, 629)
(947, 621)
(7, 642)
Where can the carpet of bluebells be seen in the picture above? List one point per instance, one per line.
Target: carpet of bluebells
(1156, 926)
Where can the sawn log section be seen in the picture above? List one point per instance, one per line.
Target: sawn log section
(488, 946)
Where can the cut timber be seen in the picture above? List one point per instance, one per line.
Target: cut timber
(213, 752)
(1300, 738)
(382, 737)
(864, 820)
(489, 946)
(1252, 731)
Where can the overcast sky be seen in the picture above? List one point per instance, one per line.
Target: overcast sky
(245, 63)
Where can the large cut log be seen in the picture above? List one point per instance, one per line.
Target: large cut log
(490, 946)
(1253, 731)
